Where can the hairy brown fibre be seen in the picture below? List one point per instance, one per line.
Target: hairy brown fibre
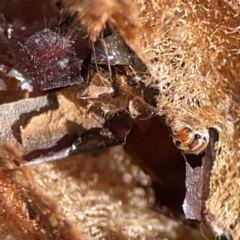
(191, 51)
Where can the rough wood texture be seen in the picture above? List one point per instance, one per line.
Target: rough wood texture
(190, 52)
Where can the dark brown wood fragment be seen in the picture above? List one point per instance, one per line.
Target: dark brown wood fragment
(50, 60)
(197, 182)
(112, 50)
(192, 205)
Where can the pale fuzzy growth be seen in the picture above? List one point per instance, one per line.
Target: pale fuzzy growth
(191, 49)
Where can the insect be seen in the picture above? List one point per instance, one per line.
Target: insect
(188, 140)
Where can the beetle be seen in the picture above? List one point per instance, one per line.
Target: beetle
(187, 139)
